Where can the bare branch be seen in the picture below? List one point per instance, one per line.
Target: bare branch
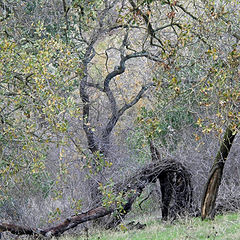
(117, 113)
(115, 117)
(95, 85)
(117, 71)
(135, 100)
(168, 25)
(89, 54)
(187, 12)
(151, 31)
(66, 9)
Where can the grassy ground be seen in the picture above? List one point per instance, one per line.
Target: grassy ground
(225, 227)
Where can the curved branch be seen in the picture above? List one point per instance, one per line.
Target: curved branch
(106, 88)
(187, 12)
(114, 119)
(135, 100)
(130, 189)
(168, 25)
(146, 19)
(117, 71)
(85, 97)
(95, 85)
(116, 114)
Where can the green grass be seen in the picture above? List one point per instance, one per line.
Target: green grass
(224, 227)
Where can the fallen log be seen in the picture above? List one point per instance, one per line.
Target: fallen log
(15, 229)
(69, 223)
(130, 189)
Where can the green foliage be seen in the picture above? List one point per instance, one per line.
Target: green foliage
(55, 215)
(202, 79)
(163, 125)
(110, 198)
(35, 102)
(87, 9)
(76, 205)
(95, 163)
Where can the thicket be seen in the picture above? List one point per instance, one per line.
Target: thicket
(87, 86)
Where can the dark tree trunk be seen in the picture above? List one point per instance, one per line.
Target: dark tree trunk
(69, 223)
(175, 185)
(215, 176)
(166, 183)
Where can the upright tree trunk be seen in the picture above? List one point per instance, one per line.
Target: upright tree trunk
(215, 176)
(175, 186)
(157, 194)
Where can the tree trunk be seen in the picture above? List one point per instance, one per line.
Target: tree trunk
(175, 186)
(215, 176)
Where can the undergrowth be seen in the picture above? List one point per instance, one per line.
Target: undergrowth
(224, 227)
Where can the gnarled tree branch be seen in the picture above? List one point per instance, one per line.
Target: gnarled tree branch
(130, 189)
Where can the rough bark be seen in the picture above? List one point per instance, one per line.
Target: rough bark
(175, 186)
(155, 155)
(130, 189)
(215, 176)
(69, 223)
(158, 171)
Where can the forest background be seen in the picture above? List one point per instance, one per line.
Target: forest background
(86, 86)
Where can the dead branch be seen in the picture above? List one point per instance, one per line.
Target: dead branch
(131, 188)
